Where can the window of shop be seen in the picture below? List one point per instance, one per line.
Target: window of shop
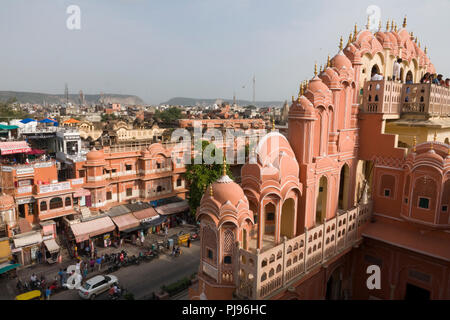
(108, 195)
(129, 192)
(43, 206)
(56, 203)
(68, 202)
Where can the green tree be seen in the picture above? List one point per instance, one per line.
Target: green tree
(168, 115)
(8, 112)
(200, 176)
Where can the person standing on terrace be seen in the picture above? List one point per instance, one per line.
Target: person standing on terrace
(396, 71)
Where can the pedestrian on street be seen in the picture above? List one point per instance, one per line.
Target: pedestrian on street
(92, 264)
(95, 253)
(61, 276)
(85, 271)
(189, 242)
(47, 293)
(99, 262)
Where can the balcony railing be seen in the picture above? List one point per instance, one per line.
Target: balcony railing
(262, 274)
(394, 98)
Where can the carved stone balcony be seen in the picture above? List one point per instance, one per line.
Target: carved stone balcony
(390, 97)
(263, 274)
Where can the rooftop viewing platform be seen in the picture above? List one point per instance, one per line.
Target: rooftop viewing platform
(395, 98)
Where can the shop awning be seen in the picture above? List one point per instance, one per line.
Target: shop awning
(71, 120)
(81, 192)
(27, 120)
(6, 127)
(13, 147)
(27, 239)
(7, 267)
(146, 215)
(5, 249)
(51, 245)
(173, 208)
(156, 222)
(126, 221)
(84, 230)
(35, 151)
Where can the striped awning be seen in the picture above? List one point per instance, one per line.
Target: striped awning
(12, 147)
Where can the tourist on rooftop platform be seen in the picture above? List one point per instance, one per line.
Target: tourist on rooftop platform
(409, 78)
(425, 78)
(447, 83)
(396, 72)
(376, 76)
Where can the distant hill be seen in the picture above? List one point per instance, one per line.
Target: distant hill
(180, 101)
(40, 98)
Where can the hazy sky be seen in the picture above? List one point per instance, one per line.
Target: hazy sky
(159, 49)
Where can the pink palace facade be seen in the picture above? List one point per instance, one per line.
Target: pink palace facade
(317, 208)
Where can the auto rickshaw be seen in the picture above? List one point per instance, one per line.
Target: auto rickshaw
(30, 295)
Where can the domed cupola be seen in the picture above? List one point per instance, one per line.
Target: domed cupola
(224, 200)
(302, 107)
(95, 157)
(317, 91)
(330, 77)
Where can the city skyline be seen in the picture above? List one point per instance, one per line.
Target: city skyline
(159, 51)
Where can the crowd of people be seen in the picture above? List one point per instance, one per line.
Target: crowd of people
(437, 79)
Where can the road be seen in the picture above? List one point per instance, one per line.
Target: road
(148, 277)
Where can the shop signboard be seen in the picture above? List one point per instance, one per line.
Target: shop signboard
(26, 189)
(43, 164)
(25, 200)
(7, 169)
(27, 170)
(55, 187)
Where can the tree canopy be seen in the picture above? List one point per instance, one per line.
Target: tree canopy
(200, 176)
(168, 115)
(8, 112)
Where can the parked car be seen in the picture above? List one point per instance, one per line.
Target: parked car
(96, 285)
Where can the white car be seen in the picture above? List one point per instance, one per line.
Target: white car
(96, 285)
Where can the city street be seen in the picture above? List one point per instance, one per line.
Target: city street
(148, 277)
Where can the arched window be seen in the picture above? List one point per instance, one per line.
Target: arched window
(56, 203)
(68, 202)
(43, 206)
